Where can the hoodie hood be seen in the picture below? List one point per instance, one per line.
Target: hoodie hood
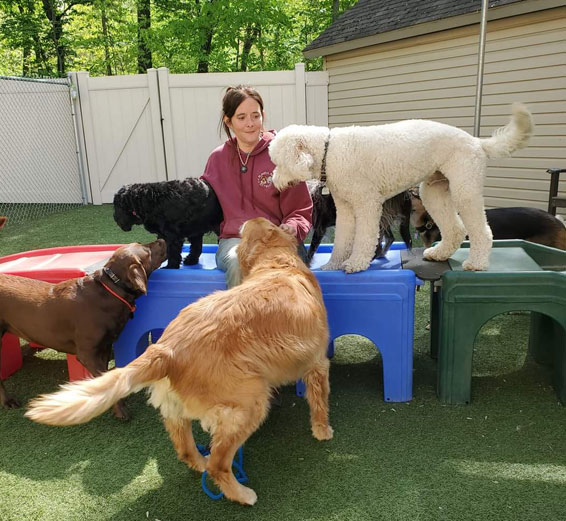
(249, 194)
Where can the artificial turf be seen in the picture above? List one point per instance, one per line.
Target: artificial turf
(501, 458)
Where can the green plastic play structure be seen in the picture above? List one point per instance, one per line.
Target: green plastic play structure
(523, 276)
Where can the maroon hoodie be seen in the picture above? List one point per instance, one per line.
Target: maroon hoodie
(252, 194)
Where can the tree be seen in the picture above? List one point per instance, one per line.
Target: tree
(24, 28)
(127, 36)
(58, 14)
(144, 28)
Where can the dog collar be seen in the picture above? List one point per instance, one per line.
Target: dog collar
(325, 190)
(131, 307)
(116, 280)
(425, 227)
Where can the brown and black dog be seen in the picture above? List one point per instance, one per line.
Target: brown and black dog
(81, 316)
(220, 359)
(529, 224)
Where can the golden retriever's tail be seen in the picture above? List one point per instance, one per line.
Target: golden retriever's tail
(79, 402)
(511, 137)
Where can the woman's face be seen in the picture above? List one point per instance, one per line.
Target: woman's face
(246, 123)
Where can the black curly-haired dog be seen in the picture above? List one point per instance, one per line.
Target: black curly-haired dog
(396, 211)
(174, 210)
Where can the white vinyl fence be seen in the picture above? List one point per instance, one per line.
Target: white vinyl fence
(160, 126)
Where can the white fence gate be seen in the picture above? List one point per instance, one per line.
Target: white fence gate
(38, 153)
(160, 126)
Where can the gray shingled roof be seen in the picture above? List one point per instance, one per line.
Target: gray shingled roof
(370, 17)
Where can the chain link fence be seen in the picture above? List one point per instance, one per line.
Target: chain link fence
(39, 167)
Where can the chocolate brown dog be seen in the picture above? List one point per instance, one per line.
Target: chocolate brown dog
(81, 316)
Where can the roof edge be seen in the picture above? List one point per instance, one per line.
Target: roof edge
(494, 13)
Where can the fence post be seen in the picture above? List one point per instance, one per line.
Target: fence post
(300, 94)
(166, 123)
(156, 120)
(88, 132)
(79, 137)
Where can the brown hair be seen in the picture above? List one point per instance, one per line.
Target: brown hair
(232, 99)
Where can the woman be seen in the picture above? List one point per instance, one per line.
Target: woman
(240, 173)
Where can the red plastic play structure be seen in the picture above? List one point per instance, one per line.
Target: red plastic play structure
(50, 265)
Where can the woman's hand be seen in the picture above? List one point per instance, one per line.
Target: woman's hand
(287, 228)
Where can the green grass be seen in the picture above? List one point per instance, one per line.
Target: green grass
(500, 458)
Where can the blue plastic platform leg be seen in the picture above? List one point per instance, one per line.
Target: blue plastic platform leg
(330, 352)
(300, 388)
(239, 472)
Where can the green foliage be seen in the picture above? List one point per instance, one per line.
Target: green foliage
(50, 37)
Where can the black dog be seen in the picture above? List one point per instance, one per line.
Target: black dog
(529, 224)
(174, 210)
(396, 210)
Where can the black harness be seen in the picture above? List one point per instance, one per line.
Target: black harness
(325, 190)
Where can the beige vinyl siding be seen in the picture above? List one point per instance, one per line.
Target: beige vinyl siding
(434, 77)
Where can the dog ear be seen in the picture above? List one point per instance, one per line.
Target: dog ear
(138, 277)
(257, 234)
(252, 232)
(303, 155)
(414, 192)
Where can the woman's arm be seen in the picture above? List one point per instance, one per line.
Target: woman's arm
(296, 206)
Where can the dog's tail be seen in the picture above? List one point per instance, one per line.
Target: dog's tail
(79, 402)
(511, 137)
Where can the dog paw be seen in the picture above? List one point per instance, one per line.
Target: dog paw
(354, 266)
(468, 265)
(435, 254)
(322, 432)
(11, 403)
(244, 495)
(121, 411)
(331, 266)
(197, 463)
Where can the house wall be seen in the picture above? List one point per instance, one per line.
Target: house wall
(434, 77)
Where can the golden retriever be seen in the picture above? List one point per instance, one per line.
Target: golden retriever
(220, 358)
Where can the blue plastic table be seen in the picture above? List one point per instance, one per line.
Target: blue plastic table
(377, 303)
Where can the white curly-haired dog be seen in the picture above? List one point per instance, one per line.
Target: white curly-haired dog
(364, 166)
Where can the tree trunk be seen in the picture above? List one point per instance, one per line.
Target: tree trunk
(335, 9)
(41, 62)
(206, 47)
(206, 35)
(249, 39)
(26, 53)
(144, 26)
(106, 38)
(26, 49)
(56, 22)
